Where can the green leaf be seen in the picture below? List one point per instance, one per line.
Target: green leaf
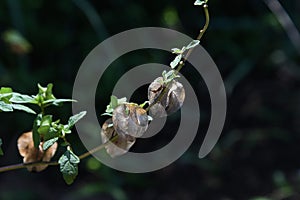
(1, 152)
(113, 101)
(122, 100)
(45, 125)
(5, 107)
(107, 114)
(22, 108)
(21, 98)
(47, 144)
(48, 93)
(5, 94)
(193, 44)
(58, 102)
(69, 166)
(52, 133)
(176, 61)
(42, 90)
(35, 133)
(5, 90)
(176, 51)
(200, 2)
(75, 118)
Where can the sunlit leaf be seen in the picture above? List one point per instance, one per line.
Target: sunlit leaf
(21, 98)
(47, 144)
(113, 101)
(75, 118)
(58, 102)
(176, 61)
(193, 44)
(5, 107)
(200, 2)
(22, 108)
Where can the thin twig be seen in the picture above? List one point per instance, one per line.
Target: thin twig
(53, 163)
(182, 63)
(98, 148)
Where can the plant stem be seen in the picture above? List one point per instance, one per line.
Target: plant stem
(54, 163)
(184, 59)
(98, 148)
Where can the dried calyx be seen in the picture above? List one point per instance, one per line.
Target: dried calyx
(119, 143)
(130, 119)
(31, 154)
(165, 98)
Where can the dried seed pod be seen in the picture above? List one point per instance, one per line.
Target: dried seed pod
(120, 145)
(130, 119)
(170, 102)
(32, 154)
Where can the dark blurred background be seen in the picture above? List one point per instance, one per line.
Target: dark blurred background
(257, 156)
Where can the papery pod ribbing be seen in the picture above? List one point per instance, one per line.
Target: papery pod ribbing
(130, 119)
(170, 102)
(118, 146)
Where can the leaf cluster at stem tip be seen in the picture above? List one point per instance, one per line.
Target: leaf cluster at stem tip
(200, 2)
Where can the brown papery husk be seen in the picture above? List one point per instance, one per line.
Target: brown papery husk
(119, 145)
(31, 154)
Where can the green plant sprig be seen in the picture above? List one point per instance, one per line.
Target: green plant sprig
(68, 161)
(180, 59)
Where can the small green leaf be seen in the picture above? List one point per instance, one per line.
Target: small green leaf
(21, 98)
(1, 152)
(47, 144)
(5, 90)
(75, 118)
(193, 44)
(48, 93)
(200, 2)
(22, 108)
(5, 107)
(58, 102)
(176, 51)
(35, 133)
(5, 94)
(113, 101)
(122, 100)
(42, 90)
(176, 61)
(69, 166)
(52, 133)
(45, 125)
(107, 114)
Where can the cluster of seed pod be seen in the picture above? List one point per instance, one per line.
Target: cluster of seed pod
(130, 121)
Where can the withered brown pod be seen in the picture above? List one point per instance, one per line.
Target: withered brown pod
(170, 102)
(130, 119)
(119, 145)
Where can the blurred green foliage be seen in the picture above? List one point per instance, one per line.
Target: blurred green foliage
(257, 156)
